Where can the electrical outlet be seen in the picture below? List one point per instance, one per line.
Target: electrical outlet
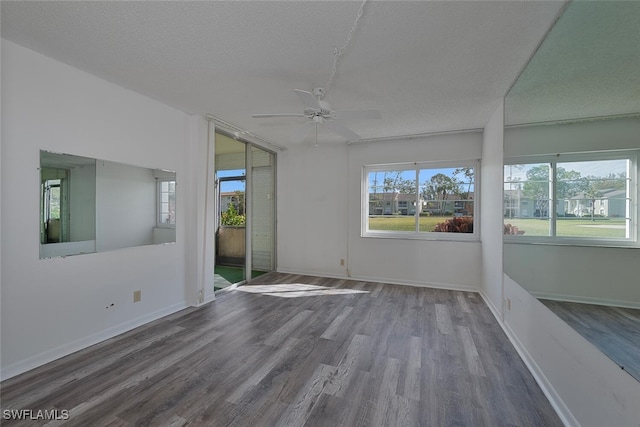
(137, 296)
(342, 262)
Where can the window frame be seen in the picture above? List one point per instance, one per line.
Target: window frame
(632, 155)
(159, 223)
(419, 235)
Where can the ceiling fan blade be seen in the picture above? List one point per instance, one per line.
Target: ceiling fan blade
(342, 130)
(299, 134)
(356, 114)
(258, 116)
(308, 99)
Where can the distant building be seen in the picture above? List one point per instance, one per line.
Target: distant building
(234, 197)
(453, 205)
(392, 204)
(405, 204)
(610, 203)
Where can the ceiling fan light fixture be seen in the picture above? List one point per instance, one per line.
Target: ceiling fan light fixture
(319, 112)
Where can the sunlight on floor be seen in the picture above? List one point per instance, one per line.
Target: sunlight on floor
(296, 290)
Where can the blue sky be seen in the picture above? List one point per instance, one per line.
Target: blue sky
(425, 176)
(227, 186)
(600, 168)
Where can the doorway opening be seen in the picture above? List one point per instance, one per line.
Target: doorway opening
(245, 209)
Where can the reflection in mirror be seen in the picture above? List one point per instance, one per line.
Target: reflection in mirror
(572, 121)
(592, 199)
(89, 205)
(67, 204)
(586, 68)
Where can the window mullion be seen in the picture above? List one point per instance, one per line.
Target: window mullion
(551, 212)
(418, 207)
(633, 196)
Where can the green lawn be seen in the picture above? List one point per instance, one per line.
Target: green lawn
(404, 223)
(570, 227)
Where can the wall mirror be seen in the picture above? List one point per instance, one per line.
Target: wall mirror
(89, 205)
(572, 144)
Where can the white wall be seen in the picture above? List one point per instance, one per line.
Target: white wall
(52, 307)
(491, 211)
(312, 209)
(1, 180)
(587, 388)
(319, 204)
(195, 189)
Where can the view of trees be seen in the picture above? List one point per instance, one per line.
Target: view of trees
(569, 184)
(390, 183)
(234, 214)
(446, 185)
(231, 217)
(441, 186)
(393, 182)
(238, 201)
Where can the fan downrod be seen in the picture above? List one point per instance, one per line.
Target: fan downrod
(319, 92)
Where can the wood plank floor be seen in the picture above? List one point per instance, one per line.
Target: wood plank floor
(298, 351)
(613, 330)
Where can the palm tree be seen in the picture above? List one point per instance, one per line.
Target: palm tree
(439, 187)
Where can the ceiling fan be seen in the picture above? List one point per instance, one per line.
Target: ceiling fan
(320, 113)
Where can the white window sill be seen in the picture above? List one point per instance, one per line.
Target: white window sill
(554, 241)
(438, 237)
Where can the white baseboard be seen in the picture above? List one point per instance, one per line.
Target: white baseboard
(552, 395)
(388, 280)
(587, 300)
(313, 273)
(422, 284)
(207, 299)
(494, 310)
(64, 350)
(558, 404)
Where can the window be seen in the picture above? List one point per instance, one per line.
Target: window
(54, 205)
(578, 198)
(166, 203)
(420, 201)
(50, 211)
(52, 199)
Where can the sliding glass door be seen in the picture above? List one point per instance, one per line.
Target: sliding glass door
(245, 213)
(262, 211)
(231, 190)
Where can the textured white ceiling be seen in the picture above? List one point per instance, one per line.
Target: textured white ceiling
(427, 65)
